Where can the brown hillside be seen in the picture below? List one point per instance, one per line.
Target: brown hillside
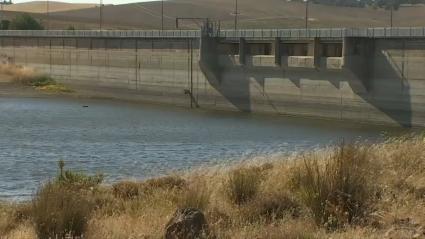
(253, 14)
(41, 6)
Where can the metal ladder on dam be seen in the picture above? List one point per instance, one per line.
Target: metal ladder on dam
(189, 92)
(208, 29)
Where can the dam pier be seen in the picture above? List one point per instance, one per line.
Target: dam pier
(373, 75)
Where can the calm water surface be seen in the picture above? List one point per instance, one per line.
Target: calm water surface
(124, 140)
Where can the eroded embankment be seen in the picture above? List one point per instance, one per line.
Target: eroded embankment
(348, 191)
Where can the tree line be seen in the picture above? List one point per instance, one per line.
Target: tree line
(386, 4)
(21, 22)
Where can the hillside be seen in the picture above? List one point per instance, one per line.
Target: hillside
(271, 14)
(41, 6)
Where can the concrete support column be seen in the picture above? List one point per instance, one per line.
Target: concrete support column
(277, 52)
(347, 48)
(317, 53)
(242, 51)
(358, 59)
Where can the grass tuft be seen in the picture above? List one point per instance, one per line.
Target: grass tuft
(196, 195)
(60, 211)
(127, 190)
(63, 207)
(243, 184)
(338, 189)
(272, 206)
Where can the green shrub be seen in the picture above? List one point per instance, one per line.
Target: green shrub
(70, 28)
(242, 185)
(77, 180)
(40, 81)
(25, 22)
(4, 24)
(337, 190)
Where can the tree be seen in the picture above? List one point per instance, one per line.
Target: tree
(4, 24)
(25, 22)
(70, 28)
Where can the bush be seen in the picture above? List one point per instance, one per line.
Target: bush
(126, 190)
(167, 182)
(337, 191)
(62, 208)
(60, 211)
(25, 22)
(242, 185)
(4, 24)
(70, 28)
(194, 196)
(271, 206)
(39, 81)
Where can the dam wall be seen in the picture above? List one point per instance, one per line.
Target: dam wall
(364, 75)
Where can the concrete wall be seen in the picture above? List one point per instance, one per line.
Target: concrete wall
(375, 80)
(141, 69)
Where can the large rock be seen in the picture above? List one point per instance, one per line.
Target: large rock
(186, 224)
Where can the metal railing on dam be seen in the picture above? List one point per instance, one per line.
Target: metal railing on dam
(327, 33)
(398, 32)
(103, 33)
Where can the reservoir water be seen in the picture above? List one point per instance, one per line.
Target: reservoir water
(134, 141)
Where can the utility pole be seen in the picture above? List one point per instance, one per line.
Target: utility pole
(306, 13)
(391, 15)
(162, 15)
(236, 14)
(100, 14)
(48, 14)
(2, 14)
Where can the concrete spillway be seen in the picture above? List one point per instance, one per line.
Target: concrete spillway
(371, 75)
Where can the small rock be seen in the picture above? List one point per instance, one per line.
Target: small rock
(186, 224)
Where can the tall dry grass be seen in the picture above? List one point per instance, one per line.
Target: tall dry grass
(348, 191)
(338, 189)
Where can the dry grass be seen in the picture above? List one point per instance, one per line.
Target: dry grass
(242, 185)
(60, 211)
(40, 6)
(338, 188)
(349, 191)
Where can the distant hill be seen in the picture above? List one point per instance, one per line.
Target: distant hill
(41, 6)
(253, 14)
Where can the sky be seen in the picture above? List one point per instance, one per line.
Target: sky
(91, 1)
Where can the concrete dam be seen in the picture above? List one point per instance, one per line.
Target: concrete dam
(374, 75)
